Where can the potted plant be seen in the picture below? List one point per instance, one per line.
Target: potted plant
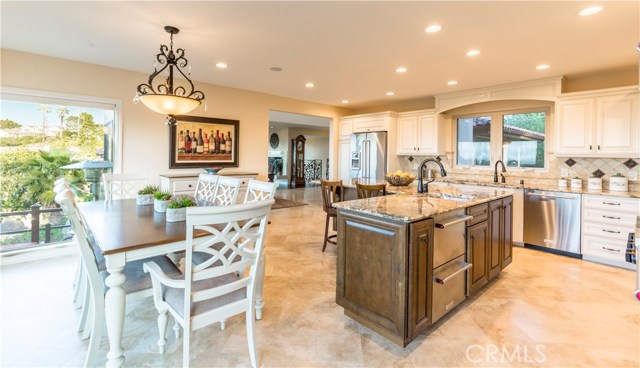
(161, 200)
(145, 195)
(177, 208)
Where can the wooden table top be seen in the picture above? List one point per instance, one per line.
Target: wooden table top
(120, 225)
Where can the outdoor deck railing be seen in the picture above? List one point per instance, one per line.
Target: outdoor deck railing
(35, 212)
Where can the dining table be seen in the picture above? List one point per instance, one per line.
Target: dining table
(124, 232)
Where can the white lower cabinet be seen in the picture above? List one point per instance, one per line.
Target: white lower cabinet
(606, 224)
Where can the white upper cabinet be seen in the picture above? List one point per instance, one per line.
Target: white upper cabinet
(420, 133)
(345, 128)
(601, 124)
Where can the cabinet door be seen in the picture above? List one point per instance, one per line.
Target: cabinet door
(617, 125)
(478, 243)
(427, 133)
(574, 127)
(420, 277)
(507, 241)
(407, 137)
(496, 237)
(345, 128)
(344, 157)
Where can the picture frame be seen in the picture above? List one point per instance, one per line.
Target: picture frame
(209, 155)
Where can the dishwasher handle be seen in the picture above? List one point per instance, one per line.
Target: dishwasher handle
(444, 281)
(461, 218)
(550, 196)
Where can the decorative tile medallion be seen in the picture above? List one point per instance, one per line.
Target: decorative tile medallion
(630, 163)
(598, 173)
(410, 159)
(438, 158)
(570, 162)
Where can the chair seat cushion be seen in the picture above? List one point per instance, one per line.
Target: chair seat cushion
(137, 279)
(175, 297)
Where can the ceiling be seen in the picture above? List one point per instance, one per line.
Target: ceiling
(349, 50)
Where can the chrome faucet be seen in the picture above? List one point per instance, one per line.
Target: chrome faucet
(495, 172)
(425, 188)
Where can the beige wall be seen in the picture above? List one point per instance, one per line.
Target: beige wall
(620, 77)
(145, 135)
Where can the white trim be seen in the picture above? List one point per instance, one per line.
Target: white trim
(91, 101)
(543, 89)
(39, 253)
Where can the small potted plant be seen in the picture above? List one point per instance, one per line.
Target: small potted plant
(161, 200)
(145, 195)
(177, 208)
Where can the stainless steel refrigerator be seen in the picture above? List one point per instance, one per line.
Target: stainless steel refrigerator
(368, 156)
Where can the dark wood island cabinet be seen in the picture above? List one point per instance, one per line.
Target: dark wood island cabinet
(385, 271)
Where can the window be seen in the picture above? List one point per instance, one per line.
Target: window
(515, 137)
(474, 141)
(523, 139)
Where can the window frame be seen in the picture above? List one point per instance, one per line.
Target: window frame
(496, 136)
(48, 97)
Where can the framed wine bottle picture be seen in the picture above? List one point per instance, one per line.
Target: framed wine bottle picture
(203, 142)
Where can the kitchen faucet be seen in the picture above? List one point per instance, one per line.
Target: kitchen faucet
(495, 172)
(423, 164)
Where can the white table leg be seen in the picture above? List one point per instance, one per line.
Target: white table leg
(115, 303)
(259, 303)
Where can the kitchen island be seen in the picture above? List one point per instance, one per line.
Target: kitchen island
(406, 260)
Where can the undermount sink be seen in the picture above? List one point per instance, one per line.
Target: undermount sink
(451, 196)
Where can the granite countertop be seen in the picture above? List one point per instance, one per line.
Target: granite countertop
(553, 188)
(412, 206)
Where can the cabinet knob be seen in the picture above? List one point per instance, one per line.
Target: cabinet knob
(590, 147)
(598, 147)
(190, 185)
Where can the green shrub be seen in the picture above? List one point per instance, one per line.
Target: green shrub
(149, 189)
(182, 202)
(162, 195)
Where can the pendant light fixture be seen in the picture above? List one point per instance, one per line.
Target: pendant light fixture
(169, 98)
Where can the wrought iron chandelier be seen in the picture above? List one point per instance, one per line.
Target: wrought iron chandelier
(169, 98)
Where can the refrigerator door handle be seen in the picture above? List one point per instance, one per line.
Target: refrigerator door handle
(365, 158)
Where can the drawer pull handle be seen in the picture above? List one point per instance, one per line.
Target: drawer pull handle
(611, 217)
(444, 281)
(611, 203)
(611, 250)
(611, 231)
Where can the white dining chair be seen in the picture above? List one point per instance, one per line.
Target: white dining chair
(206, 189)
(219, 288)
(259, 191)
(137, 280)
(122, 186)
(227, 191)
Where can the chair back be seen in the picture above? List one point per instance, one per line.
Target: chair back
(231, 251)
(332, 192)
(121, 186)
(259, 191)
(61, 187)
(227, 191)
(372, 190)
(68, 203)
(206, 189)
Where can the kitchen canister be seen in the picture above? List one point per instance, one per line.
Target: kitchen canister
(576, 183)
(562, 183)
(594, 183)
(618, 183)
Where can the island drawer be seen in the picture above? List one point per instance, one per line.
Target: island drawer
(480, 213)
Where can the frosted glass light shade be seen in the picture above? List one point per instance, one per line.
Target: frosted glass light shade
(169, 105)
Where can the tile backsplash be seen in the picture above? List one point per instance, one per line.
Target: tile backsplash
(583, 168)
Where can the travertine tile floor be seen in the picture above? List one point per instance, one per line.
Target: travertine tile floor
(544, 310)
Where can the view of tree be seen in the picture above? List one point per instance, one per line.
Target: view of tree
(534, 121)
(8, 124)
(45, 109)
(62, 111)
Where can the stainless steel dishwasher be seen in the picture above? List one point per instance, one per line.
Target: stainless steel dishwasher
(552, 221)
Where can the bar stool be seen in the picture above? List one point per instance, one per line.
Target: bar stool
(370, 190)
(331, 192)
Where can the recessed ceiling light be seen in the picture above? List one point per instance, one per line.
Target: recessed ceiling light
(433, 28)
(345, 101)
(309, 85)
(542, 66)
(452, 82)
(590, 11)
(401, 69)
(275, 69)
(390, 93)
(473, 52)
(221, 65)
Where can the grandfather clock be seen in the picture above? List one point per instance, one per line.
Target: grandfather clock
(297, 162)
